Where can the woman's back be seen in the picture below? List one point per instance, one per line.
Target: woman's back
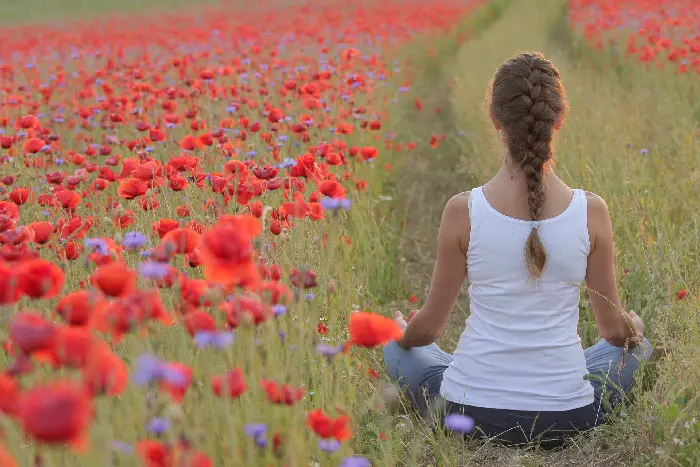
(520, 348)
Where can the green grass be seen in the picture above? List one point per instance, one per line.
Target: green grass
(653, 200)
(14, 12)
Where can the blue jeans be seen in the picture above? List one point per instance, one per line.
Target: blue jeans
(419, 372)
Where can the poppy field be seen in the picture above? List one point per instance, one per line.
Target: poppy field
(208, 215)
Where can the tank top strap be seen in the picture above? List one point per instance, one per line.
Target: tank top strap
(582, 216)
(476, 206)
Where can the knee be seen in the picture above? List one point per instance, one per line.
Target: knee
(644, 350)
(391, 352)
(393, 355)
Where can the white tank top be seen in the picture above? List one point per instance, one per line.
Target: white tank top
(520, 349)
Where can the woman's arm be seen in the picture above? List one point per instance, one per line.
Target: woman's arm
(448, 276)
(615, 325)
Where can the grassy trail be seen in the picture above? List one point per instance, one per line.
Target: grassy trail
(631, 137)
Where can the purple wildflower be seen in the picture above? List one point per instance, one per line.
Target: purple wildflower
(97, 244)
(158, 425)
(148, 368)
(355, 461)
(335, 204)
(459, 423)
(154, 270)
(134, 240)
(255, 430)
(218, 339)
(327, 350)
(643, 151)
(279, 310)
(328, 445)
(123, 447)
(261, 441)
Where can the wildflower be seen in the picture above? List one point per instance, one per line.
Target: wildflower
(231, 384)
(369, 329)
(682, 294)
(150, 369)
(335, 204)
(328, 427)
(328, 351)
(123, 447)
(220, 340)
(328, 445)
(459, 423)
(255, 430)
(39, 278)
(158, 425)
(43, 409)
(355, 461)
(99, 245)
(154, 270)
(134, 240)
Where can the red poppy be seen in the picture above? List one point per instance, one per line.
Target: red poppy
(33, 145)
(42, 232)
(227, 251)
(10, 290)
(231, 384)
(282, 394)
(328, 427)
(9, 395)
(105, 373)
(115, 279)
(197, 320)
(246, 310)
(132, 188)
(42, 413)
(68, 199)
(184, 240)
(17, 236)
(162, 454)
(369, 329)
(78, 308)
(39, 278)
(20, 196)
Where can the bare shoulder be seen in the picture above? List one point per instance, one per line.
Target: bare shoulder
(458, 206)
(597, 207)
(455, 219)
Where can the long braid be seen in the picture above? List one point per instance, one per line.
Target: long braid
(528, 100)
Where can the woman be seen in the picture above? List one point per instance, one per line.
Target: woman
(530, 241)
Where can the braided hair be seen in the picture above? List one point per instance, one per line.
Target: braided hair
(528, 100)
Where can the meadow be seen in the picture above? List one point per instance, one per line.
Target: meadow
(217, 191)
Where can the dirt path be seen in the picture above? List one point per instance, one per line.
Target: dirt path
(609, 113)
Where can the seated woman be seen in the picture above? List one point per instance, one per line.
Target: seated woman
(530, 241)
